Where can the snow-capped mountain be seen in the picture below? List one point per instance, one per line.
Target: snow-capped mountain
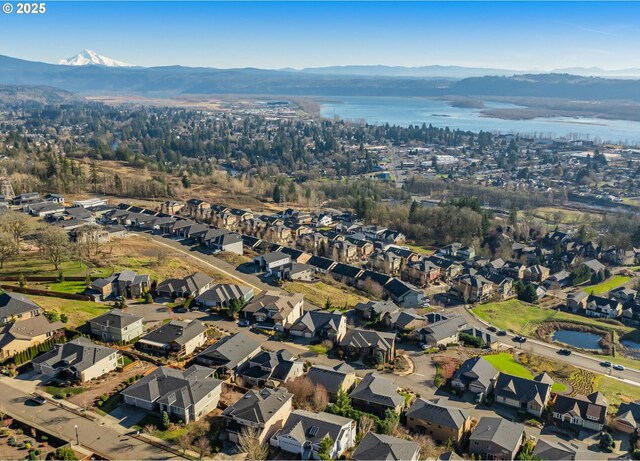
(91, 58)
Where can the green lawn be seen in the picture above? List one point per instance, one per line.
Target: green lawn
(524, 318)
(420, 249)
(318, 349)
(505, 363)
(65, 287)
(33, 265)
(607, 285)
(617, 392)
(78, 312)
(63, 392)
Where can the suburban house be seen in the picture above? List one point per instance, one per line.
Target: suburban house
(403, 293)
(303, 431)
(375, 310)
(368, 344)
(127, 284)
(439, 420)
(442, 332)
(406, 320)
(496, 438)
(275, 263)
(475, 375)
(266, 410)
(116, 326)
(274, 308)
(378, 447)
(531, 395)
(588, 412)
(560, 450)
(19, 336)
(175, 338)
(341, 377)
(221, 295)
(376, 394)
(320, 324)
(577, 301)
(16, 307)
(190, 286)
(536, 273)
(598, 306)
(222, 240)
(267, 366)
(186, 394)
(628, 418)
(229, 353)
(78, 360)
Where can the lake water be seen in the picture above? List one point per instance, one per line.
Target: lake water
(416, 111)
(633, 348)
(578, 339)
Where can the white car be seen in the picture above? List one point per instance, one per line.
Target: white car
(424, 346)
(618, 367)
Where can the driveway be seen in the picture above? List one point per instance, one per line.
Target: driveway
(127, 416)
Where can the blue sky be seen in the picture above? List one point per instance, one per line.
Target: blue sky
(513, 35)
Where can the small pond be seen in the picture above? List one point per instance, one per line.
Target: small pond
(633, 348)
(579, 339)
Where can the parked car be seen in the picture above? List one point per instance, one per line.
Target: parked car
(564, 352)
(605, 364)
(243, 323)
(38, 400)
(618, 367)
(423, 346)
(502, 333)
(492, 329)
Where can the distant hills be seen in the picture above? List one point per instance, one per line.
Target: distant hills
(177, 80)
(91, 58)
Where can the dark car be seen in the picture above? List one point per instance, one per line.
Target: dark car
(564, 352)
(605, 364)
(493, 329)
(502, 333)
(38, 400)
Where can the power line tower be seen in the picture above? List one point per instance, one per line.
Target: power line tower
(5, 186)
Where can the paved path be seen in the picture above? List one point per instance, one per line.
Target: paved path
(61, 422)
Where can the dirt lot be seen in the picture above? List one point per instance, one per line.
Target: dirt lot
(107, 385)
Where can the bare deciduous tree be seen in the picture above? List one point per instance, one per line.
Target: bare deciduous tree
(307, 395)
(54, 244)
(428, 448)
(203, 446)
(16, 224)
(8, 247)
(184, 442)
(365, 425)
(249, 443)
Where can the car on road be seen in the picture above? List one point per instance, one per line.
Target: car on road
(502, 333)
(618, 367)
(493, 329)
(520, 339)
(564, 352)
(605, 364)
(38, 400)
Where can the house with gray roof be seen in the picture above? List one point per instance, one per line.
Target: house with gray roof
(531, 395)
(341, 377)
(230, 352)
(439, 420)
(186, 394)
(127, 284)
(442, 332)
(266, 410)
(222, 294)
(588, 412)
(369, 345)
(16, 307)
(78, 360)
(375, 310)
(174, 338)
(320, 324)
(496, 438)
(303, 431)
(379, 447)
(628, 418)
(116, 326)
(376, 394)
(190, 286)
(559, 450)
(475, 375)
(267, 366)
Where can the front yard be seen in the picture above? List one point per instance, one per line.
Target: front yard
(506, 363)
(608, 285)
(78, 312)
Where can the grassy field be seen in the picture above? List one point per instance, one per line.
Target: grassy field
(318, 293)
(607, 285)
(63, 392)
(505, 363)
(318, 349)
(617, 392)
(232, 258)
(78, 312)
(31, 264)
(524, 318)
(420, 249)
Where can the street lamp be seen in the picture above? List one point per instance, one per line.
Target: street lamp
(77, 436)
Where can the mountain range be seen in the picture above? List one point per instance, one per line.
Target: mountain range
(91, 58)
(177, 80)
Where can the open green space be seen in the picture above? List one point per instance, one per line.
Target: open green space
(608, 285)
(78, 312)
(617, 392)
(32, 264)
(505, 363)
(318, 293)
(524, 318)
(420, 249)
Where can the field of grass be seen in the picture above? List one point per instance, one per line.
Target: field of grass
(318, 293)
(607, 285)
(524, 318)
(617, 392)
(420, 249)
(232, 258)
(78, 312)
(31, 264)
(318, 349)
(505, 363)
(64, 287)
(63, 392)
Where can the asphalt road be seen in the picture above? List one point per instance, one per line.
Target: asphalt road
(62, 423)
(577, 359)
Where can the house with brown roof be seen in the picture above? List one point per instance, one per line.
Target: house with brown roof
(17, 337)
(588, 412)
(281, 310)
